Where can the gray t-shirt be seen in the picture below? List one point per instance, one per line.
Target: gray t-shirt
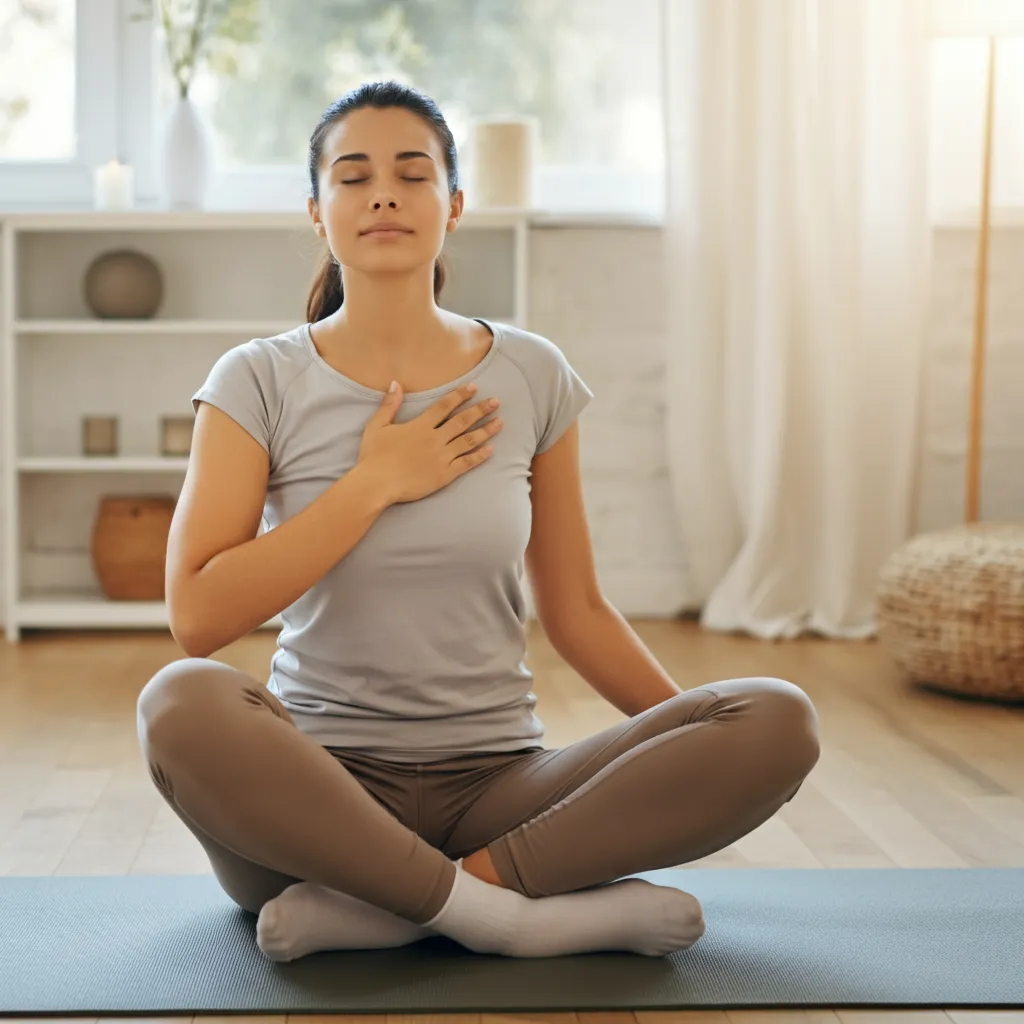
(411, 647)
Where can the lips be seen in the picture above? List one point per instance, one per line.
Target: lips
(388, 229)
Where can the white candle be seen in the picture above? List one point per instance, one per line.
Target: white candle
(114, 186)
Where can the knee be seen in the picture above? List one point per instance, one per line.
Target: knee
(794, 725)
(171, 697)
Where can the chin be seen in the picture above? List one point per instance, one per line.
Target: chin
(391, 262)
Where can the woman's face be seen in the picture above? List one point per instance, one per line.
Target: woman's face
(384, 165)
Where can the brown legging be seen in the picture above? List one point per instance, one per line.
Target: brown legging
(272, 807)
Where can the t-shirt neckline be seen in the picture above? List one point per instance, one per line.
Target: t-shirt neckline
(495, 330)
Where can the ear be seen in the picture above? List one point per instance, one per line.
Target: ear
(318, 226)
(455, 209)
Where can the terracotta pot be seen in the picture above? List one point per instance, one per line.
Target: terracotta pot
(129, 546)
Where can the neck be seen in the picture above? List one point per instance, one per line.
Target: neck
(393, 313)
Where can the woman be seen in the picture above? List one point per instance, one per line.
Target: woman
(389, 783)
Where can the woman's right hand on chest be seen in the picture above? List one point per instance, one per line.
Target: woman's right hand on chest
(428, 452)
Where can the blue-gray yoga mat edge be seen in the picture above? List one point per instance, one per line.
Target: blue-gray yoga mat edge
(776, 937)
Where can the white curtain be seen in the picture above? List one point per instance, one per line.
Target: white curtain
(797, 245)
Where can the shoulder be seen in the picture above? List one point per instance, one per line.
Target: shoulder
(280, 353)
(272, 362)
(256, 373)
(557, 391)
(537, 356)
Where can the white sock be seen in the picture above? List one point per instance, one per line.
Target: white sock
(631, 914)
(308, 917)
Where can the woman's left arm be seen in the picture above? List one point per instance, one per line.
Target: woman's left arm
(587, 631)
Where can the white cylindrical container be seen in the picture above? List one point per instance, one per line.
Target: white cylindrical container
(502, 152)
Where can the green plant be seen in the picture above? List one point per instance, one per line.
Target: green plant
(195, 30)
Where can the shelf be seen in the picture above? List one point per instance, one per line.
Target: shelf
(69, 325)
(58, 363)
(94, 611)
(103, 464)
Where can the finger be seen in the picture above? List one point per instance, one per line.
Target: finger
(440, 410)
(464, 463)
(464, 420)
(474, 437)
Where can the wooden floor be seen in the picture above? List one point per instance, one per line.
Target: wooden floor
(907, 778)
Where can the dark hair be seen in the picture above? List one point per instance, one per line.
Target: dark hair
(327, 293)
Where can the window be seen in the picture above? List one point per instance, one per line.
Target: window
(589, 75)
(59, 106)
(37, 80)
(85, 81)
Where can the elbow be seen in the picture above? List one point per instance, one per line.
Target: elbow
(192, 645)
(185, 621)
(195, 650)
(187, 637)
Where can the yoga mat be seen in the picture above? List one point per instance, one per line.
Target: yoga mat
(934, 937)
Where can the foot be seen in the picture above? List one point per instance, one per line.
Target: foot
(631, 914)
(307, 918)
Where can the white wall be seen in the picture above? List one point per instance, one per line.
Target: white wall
(599, 294)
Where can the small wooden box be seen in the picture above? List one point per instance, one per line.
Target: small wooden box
(99, 435)
(176, 434)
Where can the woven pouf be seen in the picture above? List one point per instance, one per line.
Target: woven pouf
(950, 610)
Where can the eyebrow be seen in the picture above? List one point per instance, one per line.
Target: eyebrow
(408, 154)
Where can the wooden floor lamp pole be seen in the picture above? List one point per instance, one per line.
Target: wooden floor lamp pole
(980, 307)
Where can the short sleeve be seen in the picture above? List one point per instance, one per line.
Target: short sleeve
(235, 387)
(563, 395)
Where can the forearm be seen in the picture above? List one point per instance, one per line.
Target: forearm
(241, 588)
(602, 647)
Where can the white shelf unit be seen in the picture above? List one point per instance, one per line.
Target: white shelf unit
(228, 277)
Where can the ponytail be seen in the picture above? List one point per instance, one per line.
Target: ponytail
(327, 293)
